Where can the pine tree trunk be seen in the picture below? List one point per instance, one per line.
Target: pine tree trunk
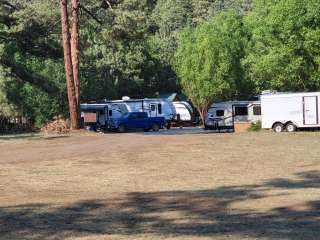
(73, 106)
(75, 47)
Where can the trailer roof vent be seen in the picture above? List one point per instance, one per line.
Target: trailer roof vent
(125, 98)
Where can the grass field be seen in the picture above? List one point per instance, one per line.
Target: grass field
(136, 186)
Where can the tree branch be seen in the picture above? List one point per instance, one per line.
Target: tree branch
(108, 3)
(4, 2)
(90, 14)
(26, 76)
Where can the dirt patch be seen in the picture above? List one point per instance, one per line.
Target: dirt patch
(140, 186)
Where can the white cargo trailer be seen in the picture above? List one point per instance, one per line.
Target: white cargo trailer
(289, 111)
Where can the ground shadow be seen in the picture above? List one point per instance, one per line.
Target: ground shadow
(310, 179)
(19, 136)
(174, 213)
(52, 137)
(186, 131)
(31, 136)
(171, 131)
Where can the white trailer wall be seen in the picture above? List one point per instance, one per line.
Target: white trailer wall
(302, 109)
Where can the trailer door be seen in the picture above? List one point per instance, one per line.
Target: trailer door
(153, 110)
(310, 110)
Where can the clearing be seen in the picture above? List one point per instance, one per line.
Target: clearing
(146, 186)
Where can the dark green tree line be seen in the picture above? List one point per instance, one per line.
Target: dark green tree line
(140, 47)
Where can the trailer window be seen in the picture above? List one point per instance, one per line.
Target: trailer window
(159, 108)
(241, 111)
(257, 110)
(220, 113)
(122, 109)
(152, 107)
(110, 113)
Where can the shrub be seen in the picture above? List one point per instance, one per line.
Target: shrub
(255, 126)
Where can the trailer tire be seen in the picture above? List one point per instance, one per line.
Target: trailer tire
(168, 125)
(122, 128)
(290, 127)
(155, 127)
(278, 127)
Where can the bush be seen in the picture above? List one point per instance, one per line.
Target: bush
(255, 126)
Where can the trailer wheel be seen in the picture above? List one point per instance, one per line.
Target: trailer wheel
(278, 127)
(290, 127)
(168, 125)
(122, 128)
(155, 127)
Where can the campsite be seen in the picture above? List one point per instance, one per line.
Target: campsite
(192, 186)
(159, 119)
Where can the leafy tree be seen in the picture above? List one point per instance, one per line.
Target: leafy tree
(158, 72)
(168, 19)
(284, 51)
(208, 60)
(7, 109)
(117, 45)
(30, 59)
(126, 47)
(203, 10)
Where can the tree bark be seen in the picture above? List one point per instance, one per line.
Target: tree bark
(203, 113)
(75, 47)
(72, 99)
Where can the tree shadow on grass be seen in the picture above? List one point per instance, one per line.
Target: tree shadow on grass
(310, 179)
(209, 213)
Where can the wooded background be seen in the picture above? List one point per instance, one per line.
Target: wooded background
(209, 49)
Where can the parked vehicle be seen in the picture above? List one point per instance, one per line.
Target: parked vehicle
(154, 107)
(223, 115)
(290, 111)
(184, 112)
(136, 120)
(96, 115)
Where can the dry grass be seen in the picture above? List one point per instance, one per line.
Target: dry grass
(135, 186)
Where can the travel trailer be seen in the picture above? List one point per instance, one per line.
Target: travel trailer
(223, 115)
(97, 115)
(155, 107)
(184, 111)
(289, 111)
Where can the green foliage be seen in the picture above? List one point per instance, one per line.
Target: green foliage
(115, 51)
(208, 59)
(31, 73)
(170, 17)
(284, 51)
(255, 126)
(210, 49)
(6, 108)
